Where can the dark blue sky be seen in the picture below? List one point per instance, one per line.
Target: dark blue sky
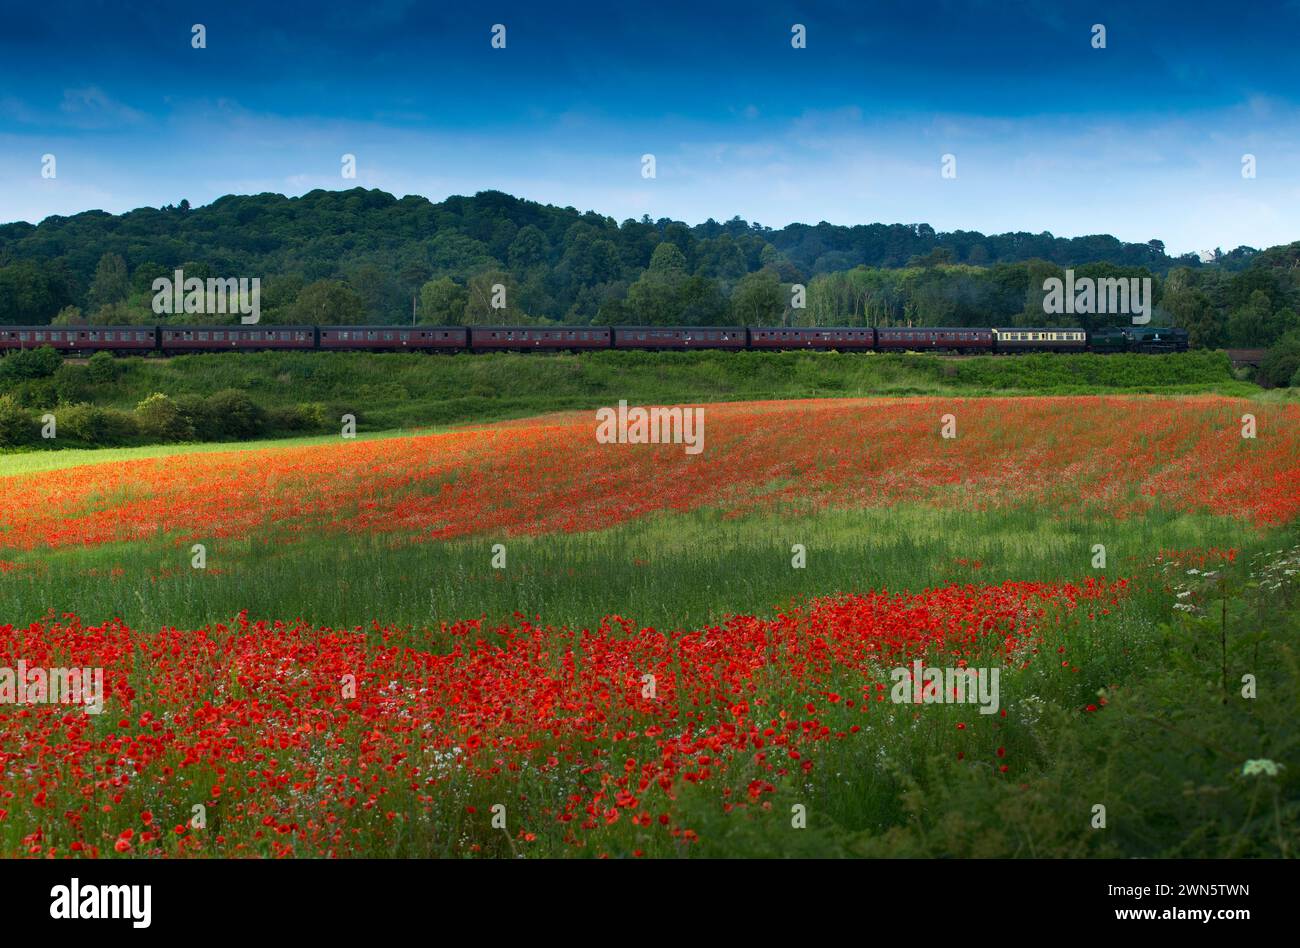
(1142, 139)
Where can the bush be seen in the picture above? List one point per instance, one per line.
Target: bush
(36, 393)
(161, 420)
(16, 425)
(71, 384)
(30, 364)
(96, 427)
(102, 368)
(193, 411)
(292, 418)
(1282, 362)
(234, 415)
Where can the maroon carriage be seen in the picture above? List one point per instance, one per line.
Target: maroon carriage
(178, 339)
(79, 339)
(933, 339)
(845, 338)
(682, 337)
(503, 338)
(395, 338)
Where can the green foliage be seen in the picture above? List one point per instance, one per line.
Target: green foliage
(111, 283)
(235, 415)
(161, 421)
(29, 364)
(566, 265)
(102, 368)
(442, 302)
(1282, 363)
(194, 413)
(93, 426)
(757, 300)
(327, 303)
(16, 425)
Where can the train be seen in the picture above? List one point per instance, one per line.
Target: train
(179, 340)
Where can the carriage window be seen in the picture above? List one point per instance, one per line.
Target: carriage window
(203, 337)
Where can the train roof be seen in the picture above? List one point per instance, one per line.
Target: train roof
(678, 328)
(407, 327)
(78, 328)
(538, 328)
(1039, 329)
(250, 327)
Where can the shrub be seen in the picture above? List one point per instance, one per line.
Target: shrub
(71, 384)
(160, 419)
(96, 427)
(194, 412)
(102, 368)
(30, 364)
(1282, 362)
(234, 414)
(16, 425)
(36, 393)
(292, 418)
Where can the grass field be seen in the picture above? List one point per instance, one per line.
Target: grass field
(516, 641)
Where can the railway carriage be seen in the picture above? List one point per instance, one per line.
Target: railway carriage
(817, 337)
(81, 339)
(1050, 339)
(933, 339)
(668, 337)
(180, 339)
(527, 338)
(395, 338)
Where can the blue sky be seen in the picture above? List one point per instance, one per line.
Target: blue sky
(1143, 139)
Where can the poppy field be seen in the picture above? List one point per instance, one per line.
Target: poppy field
(514, 640)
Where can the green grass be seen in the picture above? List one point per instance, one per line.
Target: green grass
(33, 462)
(677, 571)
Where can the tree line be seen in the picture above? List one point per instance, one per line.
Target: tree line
(364, 256)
